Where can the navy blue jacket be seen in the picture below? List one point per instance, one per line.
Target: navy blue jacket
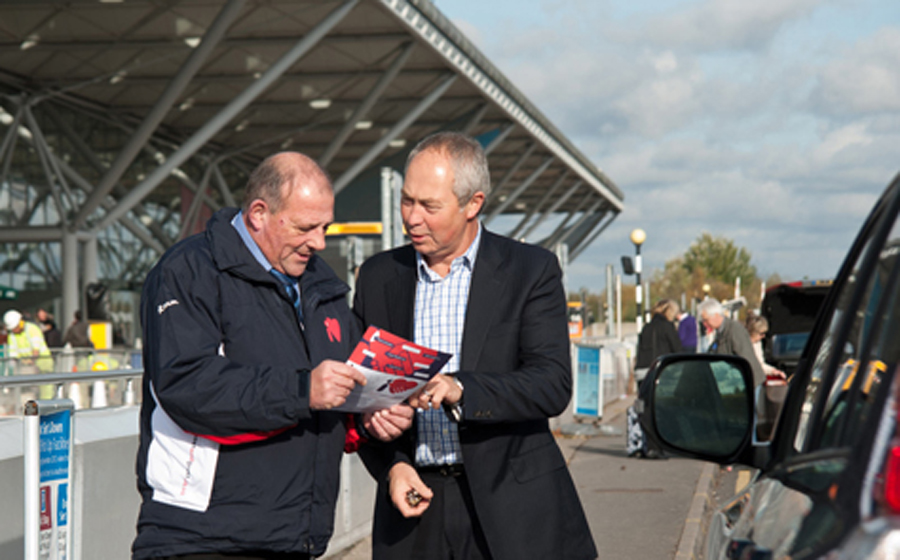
(231, 457)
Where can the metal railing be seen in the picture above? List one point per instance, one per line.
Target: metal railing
(91, 378)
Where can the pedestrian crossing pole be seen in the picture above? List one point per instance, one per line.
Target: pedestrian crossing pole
(638, 236)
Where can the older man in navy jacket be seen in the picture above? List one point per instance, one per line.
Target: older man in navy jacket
(246, 331)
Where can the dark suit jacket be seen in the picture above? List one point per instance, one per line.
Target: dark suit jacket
(516, 370)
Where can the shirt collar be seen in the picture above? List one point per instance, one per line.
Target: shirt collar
(238, 223)
(467, 259)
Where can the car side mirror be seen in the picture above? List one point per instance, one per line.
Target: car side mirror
(701, 405)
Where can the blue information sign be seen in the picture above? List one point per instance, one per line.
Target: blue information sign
(587, 399)
(55, 438)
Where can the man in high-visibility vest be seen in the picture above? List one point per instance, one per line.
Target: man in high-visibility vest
(25, 343)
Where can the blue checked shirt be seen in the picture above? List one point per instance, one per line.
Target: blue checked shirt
(440, 317)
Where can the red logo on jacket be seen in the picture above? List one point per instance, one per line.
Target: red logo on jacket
(333, 328)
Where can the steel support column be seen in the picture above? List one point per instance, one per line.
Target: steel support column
(476, 118)
(559, 202)
(540, 203)
(495, 191)
(238, 104)
(91, 271)
(395, 131)
(584, 245)
(7, 150)
(189, 220)
(519, 190)
(175, 88)
(101, 167)
(499, 139)
(552, 240)
(586, 225)
(70, 291)
(223, 186)
(363, 109)
(584, 217)
(50, 170)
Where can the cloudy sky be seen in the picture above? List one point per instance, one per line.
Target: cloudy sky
(774, 123)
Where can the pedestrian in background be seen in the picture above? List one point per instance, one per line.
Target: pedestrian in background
(729, 336)
(52, 336)
(26, 346)
(687, 332)
(757, 327)
(658, 338)
(77, 333)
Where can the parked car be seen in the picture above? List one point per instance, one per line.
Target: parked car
(827, 485)
(791, 309)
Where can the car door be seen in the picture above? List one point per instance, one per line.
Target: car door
(825, 454)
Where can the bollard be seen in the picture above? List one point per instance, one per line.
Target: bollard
(98, 395)
(75, 394)
(129, 392)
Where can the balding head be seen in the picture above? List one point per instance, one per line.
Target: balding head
(277, 177)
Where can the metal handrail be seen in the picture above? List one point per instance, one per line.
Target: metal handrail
(68, 377)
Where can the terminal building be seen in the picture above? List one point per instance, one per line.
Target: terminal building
(125, 124)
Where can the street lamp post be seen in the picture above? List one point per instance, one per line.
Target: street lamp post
(638, 236)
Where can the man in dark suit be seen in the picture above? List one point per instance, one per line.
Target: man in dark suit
(479, 475)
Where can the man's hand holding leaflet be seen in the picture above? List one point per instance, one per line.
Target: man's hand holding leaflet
(394, 367)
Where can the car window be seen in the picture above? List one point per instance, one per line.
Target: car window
(850, 391)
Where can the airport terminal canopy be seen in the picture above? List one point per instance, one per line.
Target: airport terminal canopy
(114, 115)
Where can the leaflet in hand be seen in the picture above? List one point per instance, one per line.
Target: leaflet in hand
(394, 367)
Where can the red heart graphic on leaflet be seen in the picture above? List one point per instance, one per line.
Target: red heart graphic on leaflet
(400, 385)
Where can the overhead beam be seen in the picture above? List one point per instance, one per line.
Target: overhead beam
(540, 204)
(584, 226)
(554, 237)
(238, 104)
(395, 131)
(495, 191)
(366, 105)
(553, 207)
(180, 44)
(511, 197)
(175, 88)
(573, 254)
(499, 139)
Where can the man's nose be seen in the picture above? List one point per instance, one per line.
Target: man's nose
(317, 240)
(411, 216)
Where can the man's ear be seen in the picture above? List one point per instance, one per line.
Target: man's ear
(473, 206)
(258, 214)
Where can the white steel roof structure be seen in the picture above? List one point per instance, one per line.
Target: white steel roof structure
(115, 114)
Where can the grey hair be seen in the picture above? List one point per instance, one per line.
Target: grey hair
(274, 179)
(710, 306)
(470, 167)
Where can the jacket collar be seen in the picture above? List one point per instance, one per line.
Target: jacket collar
(232, 256)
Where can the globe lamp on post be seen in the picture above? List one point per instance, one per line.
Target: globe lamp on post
(638, 236)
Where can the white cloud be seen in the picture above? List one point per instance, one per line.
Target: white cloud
(866, 79)
(843, 138)
(726, 24)
(745, 119)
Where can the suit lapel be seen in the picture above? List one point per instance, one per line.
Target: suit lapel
(484, 293)
(401, 292)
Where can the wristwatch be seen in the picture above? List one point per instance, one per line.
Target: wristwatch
(454, 411)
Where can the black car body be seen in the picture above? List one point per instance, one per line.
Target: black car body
(791, 309)
(827, 485)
